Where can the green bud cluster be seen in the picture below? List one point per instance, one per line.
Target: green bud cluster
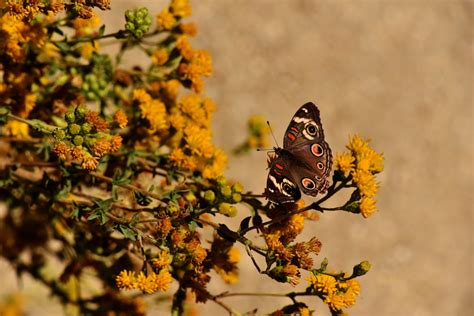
(138, 21)
(224, 196)
(94, 87)
(77, 128)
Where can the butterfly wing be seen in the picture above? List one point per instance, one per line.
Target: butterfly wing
(304, 140)
(281, 186)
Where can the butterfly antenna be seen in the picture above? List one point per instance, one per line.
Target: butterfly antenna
(271, 131)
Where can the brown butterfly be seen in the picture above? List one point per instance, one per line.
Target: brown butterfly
(304, 162)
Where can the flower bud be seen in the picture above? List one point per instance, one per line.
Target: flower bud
(59, 134)
(78, 140)
(70, 117)
(227, 209)
(86, 128)
(226, 191)
(74, 129)
(236, 197)
(209, 196)
(81, 112)
(361, 269)
(237, 187)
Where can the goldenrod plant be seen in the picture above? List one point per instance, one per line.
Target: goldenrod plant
(110, 173)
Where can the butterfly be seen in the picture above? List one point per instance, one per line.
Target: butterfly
(304, 162)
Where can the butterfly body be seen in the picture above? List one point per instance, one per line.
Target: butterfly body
(304, 162)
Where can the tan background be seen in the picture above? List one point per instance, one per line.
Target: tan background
(398, 72)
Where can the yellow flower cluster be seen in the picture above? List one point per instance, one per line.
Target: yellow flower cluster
(15, 35)
(362, 163)
(149, 284)
(153, 110)
(337, 294)
(178, 9)
(192, 121)
(195, 64)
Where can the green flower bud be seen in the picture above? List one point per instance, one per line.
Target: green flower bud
(81, 112)
(78, 140)
(70, 117)
(138, 33)
(209, 196)
(74, 129)
(129, 15)
(147, 20)
(237, 187)
(221, 180)
(86, 128)
(85, 86)
(129, 26)
(91, 95)
(179, 259)
(227, 209)
(361, 269)
(236, 197)
(226, 191)
(59, 134)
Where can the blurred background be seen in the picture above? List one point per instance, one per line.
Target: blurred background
(397, 72)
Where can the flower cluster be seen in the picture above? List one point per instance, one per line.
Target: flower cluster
(86, 138)
(150, 283)
(288, 256)
(361, 163)
(337, 293)
(138, 21)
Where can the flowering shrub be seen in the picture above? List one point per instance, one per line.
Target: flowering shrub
(111, 172)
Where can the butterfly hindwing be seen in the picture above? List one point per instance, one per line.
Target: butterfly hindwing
(281, 187)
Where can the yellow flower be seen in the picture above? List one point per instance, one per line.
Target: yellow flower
(234, 255)
(126, 280)
(61, 150)
(153, 110)
(323, 283)
(160, 56)
(88, 48)
(163, 280)
(121, 118)
(184, 47)
(86, 26)
(304, 311)
(100, 147)
(146, 283)
(177, 120)
(179, 159)
(296, 223)
(163, 261)
(357, 144)
(166, 20)
(16, 129)
(352, 290)
(217, 167)
(171, 88)
(188, 28)
(365, 182)
(367, 206)
(181, 8)
(344, 162)
(199, 141)
(89, 162)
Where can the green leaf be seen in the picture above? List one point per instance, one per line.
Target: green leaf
(102, 30)
(127, 232)
(4, 111)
